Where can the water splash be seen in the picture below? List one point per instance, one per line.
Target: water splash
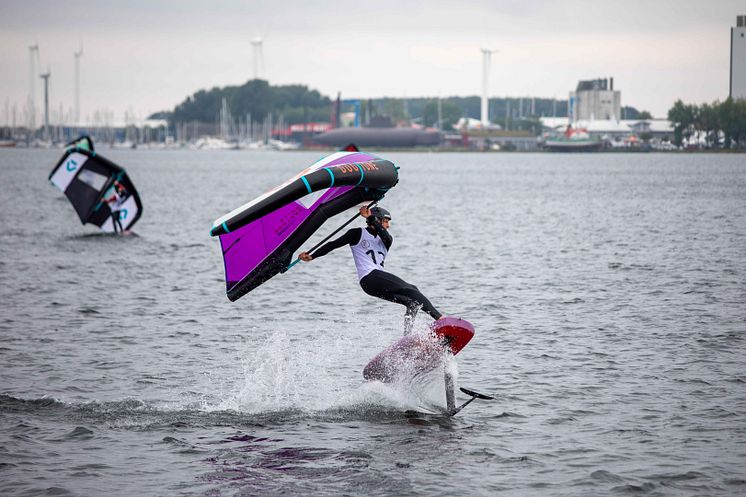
(286, 371)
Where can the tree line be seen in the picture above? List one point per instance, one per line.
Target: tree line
(297, 104)
(722, 124)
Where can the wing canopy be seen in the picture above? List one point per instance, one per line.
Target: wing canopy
(87, 178)
(259, 238)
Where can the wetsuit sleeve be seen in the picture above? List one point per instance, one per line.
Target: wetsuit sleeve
(352, 237)
(383, 233)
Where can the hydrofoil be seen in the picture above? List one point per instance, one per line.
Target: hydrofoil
(418, 354)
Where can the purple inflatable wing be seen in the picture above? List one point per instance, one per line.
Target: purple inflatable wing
(258, 239)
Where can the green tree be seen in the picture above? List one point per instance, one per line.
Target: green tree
(203, 106)
(683, 118)
(255, 97)
(726, 111)
(258, 98)
(726, 119)
(732, 115)
(450, 113)
(708, 122)
(739, 122)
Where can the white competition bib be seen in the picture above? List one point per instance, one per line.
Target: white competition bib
(369, 254)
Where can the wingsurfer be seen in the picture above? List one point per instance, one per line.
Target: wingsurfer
(115, 202)
(370, 245)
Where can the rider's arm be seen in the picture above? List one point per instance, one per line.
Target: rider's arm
(352, 237)
(383, 233)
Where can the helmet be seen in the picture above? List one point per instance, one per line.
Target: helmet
(378, 213)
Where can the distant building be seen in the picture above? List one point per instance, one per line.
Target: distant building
(738, 59)
(380, 137)
(595, 99)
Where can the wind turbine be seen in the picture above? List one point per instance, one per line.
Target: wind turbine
(78, 54)
(257, 43)
(486, 59)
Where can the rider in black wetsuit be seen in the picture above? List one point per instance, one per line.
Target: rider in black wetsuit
(115, 202)
(369, 249)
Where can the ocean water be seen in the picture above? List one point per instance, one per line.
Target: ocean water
(608, 293)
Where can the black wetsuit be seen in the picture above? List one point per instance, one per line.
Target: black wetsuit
(117, 221)
(115, 205)
(380, 283)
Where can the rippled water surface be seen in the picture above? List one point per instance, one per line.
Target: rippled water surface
(608, 293)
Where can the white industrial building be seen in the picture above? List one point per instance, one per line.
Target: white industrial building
(738, 59)
(595, 99)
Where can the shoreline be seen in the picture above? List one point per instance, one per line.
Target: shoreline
(439, 150)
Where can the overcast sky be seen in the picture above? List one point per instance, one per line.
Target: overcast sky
(148, 55)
